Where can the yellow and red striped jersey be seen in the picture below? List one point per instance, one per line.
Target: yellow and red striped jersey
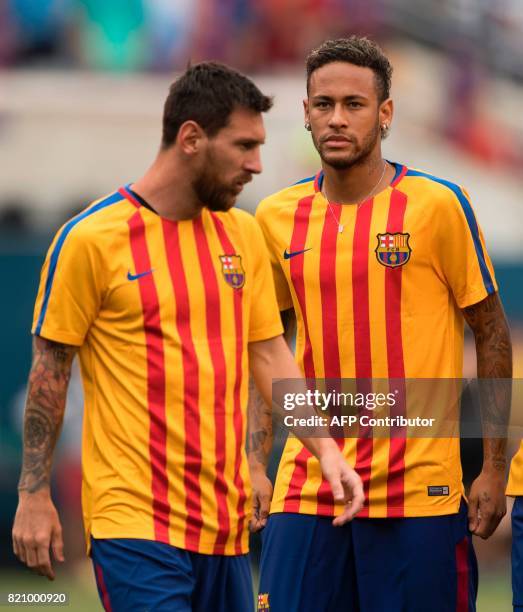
(381, 299)
(162, 312)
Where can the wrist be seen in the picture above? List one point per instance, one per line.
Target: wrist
(324, 446)
(43, 492)
(495, 467)
(256, 467)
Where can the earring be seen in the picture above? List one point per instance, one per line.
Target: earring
(384, 130)
(308, 127)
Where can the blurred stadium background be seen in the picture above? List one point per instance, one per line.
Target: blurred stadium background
(82, 83)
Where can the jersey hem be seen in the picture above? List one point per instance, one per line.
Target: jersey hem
(285, 305)
(205, 547)
(475, 297)
(266, 333)
(412, 512)
(59, 336)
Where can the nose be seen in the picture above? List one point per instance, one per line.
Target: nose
(338, 117)
(253, 162)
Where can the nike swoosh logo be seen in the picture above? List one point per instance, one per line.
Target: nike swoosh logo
(132, 277)
(289, 255)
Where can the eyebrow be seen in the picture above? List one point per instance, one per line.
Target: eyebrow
(348, 98)
(250, 141)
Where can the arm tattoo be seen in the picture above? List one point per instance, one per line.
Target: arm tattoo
(44, 411)
(260, 415)
(260, 427)
(494, 358)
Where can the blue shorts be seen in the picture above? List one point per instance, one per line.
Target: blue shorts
(517, 553)
(141, 575)
(424, 564)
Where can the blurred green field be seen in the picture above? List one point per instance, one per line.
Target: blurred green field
(494, 591)
(495, 594)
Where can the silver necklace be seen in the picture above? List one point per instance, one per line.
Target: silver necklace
(341, 227)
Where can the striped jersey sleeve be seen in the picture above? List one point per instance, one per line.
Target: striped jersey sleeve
(283, 294)
(458, 247)
(264, 319)
(71, 287)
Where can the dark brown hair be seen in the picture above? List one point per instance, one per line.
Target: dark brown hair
(208, 93)
(356, 50)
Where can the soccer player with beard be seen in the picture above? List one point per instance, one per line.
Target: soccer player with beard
(378, 265)
(165, 291)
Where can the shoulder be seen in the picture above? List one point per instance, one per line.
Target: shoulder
(95, 222)
(239, 216)
(435, 190)
(285, 199)
(241, 226)
(238, 220)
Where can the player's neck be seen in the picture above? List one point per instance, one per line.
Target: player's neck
(170, 195)
(357, 183)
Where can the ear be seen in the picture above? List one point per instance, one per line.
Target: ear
(190, 138)
(386, 112)
(306, 117)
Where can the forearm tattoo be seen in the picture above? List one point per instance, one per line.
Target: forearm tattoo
(260, 427)
(44, 411)
(494, 363)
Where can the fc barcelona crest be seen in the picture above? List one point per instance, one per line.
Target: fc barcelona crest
(232, 270)
(393, 250)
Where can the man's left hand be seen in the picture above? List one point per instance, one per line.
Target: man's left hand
(487, 503)
(261, 498)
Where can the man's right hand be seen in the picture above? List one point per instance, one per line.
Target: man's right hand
(345, 483)
(36, 531)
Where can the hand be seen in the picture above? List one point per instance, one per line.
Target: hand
(261, 497)
(36, 529)
(345, 483)
(487, 503)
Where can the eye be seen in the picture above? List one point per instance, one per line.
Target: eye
(355, 104)
(321, 104)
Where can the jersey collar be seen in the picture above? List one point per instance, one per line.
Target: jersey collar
(401, 170)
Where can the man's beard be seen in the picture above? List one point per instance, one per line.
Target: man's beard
(213, 194)
(357, 156)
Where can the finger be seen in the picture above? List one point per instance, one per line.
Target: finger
(488, 524)
(21, 553)
(351, 509)
(473, 514)
(265, 507)
(358, 495)
(256, 508)
(262, 522)
(336, 486)
(255, 526)
(44, 566)
(16, 547)
(346, 516)
(57, 545)
(354, 489)
(30, 556)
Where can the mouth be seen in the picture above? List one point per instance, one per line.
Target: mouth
(238, 187)
(239, 184)
(337, 141)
